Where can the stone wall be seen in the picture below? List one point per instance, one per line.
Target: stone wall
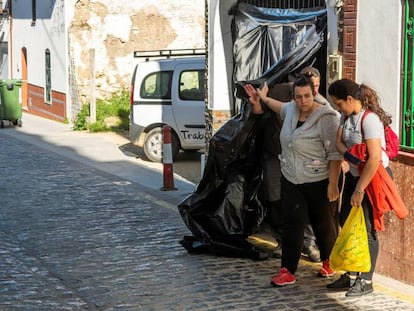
(396, 256)
(117, 28)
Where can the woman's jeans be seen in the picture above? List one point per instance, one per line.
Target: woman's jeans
(298, 202)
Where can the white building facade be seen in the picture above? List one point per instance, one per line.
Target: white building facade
(48, 43)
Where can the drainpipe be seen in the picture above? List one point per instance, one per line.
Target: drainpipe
(11, 39)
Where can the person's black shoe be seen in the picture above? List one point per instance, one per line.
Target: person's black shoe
(312, 252)
(360, 288)
(344, 282)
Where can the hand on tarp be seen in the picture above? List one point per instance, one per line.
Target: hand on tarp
(254, 98)
(252, 94)
(352, 159)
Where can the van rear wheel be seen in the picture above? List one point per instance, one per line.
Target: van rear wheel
(153, 145)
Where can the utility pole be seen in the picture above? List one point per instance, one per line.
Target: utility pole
(92, 107)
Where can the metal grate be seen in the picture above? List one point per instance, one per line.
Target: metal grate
(407, 137)
(286, 4)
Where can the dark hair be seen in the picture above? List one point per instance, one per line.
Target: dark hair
(310, 72)
(369, 98)
(301, 81)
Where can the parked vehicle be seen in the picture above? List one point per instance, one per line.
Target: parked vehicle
(168, 92)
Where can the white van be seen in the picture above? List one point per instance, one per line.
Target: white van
(168, 92)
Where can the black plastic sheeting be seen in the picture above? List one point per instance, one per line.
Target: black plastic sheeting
(226, 208)
(271, 44)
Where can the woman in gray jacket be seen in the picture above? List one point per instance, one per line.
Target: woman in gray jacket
(310, 168)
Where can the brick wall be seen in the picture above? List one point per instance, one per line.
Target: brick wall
(349, 39)
(396, 256)
(55, 110)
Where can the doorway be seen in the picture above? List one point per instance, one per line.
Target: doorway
(24, 88)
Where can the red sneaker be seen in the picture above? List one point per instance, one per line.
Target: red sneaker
(326, 271)
(283, 278)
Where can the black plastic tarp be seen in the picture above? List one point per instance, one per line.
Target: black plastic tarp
(270, 43)
(226, 207)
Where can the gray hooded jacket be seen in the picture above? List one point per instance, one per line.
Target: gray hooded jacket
(307, 150)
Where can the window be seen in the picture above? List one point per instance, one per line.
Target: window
(157, 85)
(407, 131)
(192, 85)
(48, 75)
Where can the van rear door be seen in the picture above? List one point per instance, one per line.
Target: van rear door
(188, 95)
(151, 102)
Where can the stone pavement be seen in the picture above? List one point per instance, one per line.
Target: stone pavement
(84, 226)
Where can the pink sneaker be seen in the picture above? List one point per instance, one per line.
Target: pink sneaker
(283, 278)
(326, 270)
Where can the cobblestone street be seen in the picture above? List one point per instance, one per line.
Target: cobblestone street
(73, 237)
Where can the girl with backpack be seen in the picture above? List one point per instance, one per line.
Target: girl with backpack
(353, 100)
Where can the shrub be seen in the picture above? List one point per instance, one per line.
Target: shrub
(117, 106)
(80, 123)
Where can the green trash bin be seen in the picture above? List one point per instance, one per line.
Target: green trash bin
(11, 107)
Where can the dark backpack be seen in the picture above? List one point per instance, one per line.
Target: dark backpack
(392, 142)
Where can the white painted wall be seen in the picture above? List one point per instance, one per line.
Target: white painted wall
(4, 52)
(48, 32)
(379, 35)
(332, 25)
(69, 45)
(184, 17)
(220, 67)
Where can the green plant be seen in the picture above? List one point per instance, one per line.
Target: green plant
(81, 123)
(114, 108)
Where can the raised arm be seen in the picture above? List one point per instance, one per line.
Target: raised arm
(257, 95)
(272, 103)
(254, 99)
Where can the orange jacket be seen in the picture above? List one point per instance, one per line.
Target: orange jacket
(381, 191)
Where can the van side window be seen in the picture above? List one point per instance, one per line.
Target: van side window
(157, 85)
(192, 85)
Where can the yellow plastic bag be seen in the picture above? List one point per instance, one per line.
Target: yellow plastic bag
(351, 252)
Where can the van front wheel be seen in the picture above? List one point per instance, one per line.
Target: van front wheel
(153, 145)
